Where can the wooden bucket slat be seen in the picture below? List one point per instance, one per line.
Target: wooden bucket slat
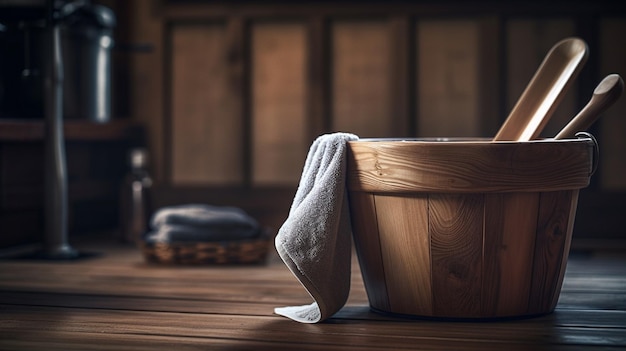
(552, 226)
(456, 232)
(509, 245)
(566, 248)
(406, 258)
(366, 241)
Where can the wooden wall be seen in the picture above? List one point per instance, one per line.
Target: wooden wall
(233, 93)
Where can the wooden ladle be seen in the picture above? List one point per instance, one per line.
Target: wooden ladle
(544, 91)
(604, 95)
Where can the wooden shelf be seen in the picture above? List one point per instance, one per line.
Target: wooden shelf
(33, 130)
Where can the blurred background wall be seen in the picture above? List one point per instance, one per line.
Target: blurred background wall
(232, 93)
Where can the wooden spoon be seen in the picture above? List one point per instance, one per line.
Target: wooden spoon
(544, 91)
(605, 94)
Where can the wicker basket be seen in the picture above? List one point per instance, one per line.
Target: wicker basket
(248, 251)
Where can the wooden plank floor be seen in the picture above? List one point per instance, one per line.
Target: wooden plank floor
(115, 301)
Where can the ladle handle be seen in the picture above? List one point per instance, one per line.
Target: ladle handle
(599, 102)
(544, 91)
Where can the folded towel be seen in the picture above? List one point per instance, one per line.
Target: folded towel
(315, 240)
(206, 216)
(201, 223)
(172, 233)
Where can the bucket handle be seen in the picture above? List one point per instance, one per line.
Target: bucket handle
(596, 150)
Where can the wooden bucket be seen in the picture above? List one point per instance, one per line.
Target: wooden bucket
(465, 228)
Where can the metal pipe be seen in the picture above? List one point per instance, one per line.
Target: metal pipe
(56, 208)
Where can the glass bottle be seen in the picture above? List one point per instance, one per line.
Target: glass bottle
(135, 198)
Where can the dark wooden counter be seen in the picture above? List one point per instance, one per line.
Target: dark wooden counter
(115, 301)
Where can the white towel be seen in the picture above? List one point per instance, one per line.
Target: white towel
(315, 240)
(203, 216)
(201, 223)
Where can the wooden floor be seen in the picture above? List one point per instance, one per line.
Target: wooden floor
(115, 301)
